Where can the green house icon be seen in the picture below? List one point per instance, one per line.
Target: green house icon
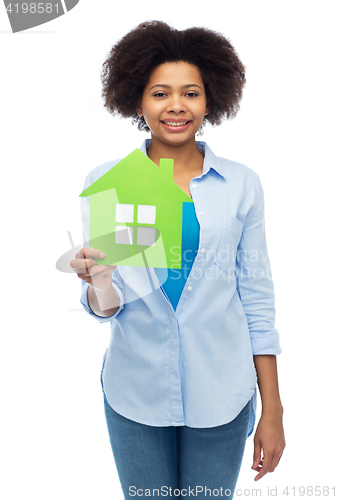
(136, 213)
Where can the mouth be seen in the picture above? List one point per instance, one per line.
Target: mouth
(177, 126)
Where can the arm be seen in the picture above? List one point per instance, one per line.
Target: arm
(256, 291)
(269, 437)
(101, 295)
(106, 298)
(103, 302)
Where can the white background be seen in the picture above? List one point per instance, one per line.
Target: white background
(54, 130)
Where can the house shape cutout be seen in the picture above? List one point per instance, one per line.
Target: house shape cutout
(136, 213)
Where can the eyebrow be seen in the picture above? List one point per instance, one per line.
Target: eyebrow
(168, 86)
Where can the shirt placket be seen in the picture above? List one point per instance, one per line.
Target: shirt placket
(176, 373)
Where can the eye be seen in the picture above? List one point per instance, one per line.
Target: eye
(159, 94)
(192, 94)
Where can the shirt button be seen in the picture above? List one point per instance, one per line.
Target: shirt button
(203, 250)
(201, 213)
(194, 185)
(189, 288)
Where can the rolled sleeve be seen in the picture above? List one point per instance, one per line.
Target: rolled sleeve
(254, 279)
(84, 302)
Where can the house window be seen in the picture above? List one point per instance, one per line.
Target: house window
(124, 235)
(124, 213)
(146, 236)
(146, 214)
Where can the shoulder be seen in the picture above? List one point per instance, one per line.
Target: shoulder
(99, 171)
(238, 173)
(234, 169)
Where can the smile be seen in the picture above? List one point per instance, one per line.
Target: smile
(175, 124)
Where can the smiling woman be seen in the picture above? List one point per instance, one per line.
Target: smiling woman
(179, 376)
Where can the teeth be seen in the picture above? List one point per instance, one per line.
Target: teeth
(175, 124)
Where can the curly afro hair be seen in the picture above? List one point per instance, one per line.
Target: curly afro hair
(131, 61)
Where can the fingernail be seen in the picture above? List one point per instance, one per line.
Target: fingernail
(102, 255)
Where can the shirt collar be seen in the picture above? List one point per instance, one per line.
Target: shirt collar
(210, 160)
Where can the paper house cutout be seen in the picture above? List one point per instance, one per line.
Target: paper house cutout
(136, 213)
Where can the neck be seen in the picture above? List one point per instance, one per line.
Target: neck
(187, 157)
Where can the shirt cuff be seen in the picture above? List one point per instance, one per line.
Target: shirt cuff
(84, 303)
(265, 342)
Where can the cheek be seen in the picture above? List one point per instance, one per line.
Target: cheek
(200, 108)
(201, 112)
(152, 112)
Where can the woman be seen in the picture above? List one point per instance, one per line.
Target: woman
(179, 376)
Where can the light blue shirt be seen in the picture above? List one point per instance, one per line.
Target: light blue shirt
(194, 365)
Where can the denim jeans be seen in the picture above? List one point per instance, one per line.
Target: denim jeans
(177, 461)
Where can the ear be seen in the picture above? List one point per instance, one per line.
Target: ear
(139, 109)
(207, 110)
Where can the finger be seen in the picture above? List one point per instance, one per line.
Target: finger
(274, 463)
(256, 454)
(101, 268)
(258, 468)
(266, 467)
(88, 252)
(94, 270)
(276, 460)
(82, 263)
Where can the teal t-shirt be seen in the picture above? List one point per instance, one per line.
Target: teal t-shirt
(176, 279)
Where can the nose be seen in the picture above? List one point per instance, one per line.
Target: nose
(176, 105)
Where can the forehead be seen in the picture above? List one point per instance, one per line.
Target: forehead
(175, 73)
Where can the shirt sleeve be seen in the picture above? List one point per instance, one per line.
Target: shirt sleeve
(254, 279)
(117, 281)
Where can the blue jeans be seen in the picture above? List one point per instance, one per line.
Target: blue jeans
(191, 461)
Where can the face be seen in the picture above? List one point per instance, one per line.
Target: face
(174, 103)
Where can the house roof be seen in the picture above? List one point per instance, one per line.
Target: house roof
(137, 169)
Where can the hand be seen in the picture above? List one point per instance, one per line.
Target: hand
(87, 269)
(269, 440)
